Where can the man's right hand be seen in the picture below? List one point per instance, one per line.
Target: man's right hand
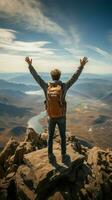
(83, 61)
(28, 60)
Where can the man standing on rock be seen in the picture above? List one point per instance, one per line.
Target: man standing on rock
(55, 103)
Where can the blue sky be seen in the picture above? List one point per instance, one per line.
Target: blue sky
(56, 34)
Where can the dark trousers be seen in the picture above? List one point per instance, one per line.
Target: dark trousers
(61, 122)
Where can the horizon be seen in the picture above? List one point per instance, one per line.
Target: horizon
(46, 72)
(56, 34)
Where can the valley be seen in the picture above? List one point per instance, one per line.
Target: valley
(89, 108)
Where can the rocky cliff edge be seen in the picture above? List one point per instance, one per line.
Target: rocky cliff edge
(26, 174)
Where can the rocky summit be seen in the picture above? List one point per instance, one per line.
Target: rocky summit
(26, 174)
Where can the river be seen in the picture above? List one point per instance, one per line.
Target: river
(35, 124)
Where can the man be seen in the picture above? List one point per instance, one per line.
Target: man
(55, 93)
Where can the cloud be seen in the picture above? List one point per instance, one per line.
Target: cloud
(16, 63)
(98, 67)
(27, 47)
(7, 35)
(9, 43)
(77, 52)
(31, 13)
(100, 51)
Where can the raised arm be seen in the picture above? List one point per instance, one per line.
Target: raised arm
(35, 75)
(76, 75)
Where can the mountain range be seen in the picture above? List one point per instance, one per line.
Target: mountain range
(88, 99)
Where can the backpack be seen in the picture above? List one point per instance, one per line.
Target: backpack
(54, 106)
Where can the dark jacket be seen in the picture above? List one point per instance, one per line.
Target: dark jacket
(65, 85)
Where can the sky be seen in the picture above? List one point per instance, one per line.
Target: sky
(56, 34)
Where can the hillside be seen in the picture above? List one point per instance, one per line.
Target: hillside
(17, 86)
(17, 131)
(95, 89)
(27, 78)
(14, 111)
(107, 98)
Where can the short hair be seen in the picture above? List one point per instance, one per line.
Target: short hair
(55, 74)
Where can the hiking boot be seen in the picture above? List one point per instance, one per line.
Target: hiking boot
(51, 158)
(65, 158)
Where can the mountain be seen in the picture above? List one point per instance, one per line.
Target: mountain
(17, 86)
(25, 171)
(93, 88)
(11, 110)
(27, 78)
(7, 76)
(101, 119)
(13, 97)
(17, 131)
(91, 85)
(2, 129)
(107, 98)
(14, 93)
(78, 94)
(9, 96)
(3, 99)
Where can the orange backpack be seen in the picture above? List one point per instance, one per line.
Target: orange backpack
(54, 106)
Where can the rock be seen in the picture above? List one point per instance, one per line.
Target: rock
(8, 190)
(44, 136)
(3, 194)
(92, 156)
(110, 178)
(35, 139)
(47, 176)
(25, 172)
(8, 151)
(83, 194)
(13, 162)
(77, 145)
(10, 175)
(23, 148)
(57, 196)
(25, 181)
(1, 172)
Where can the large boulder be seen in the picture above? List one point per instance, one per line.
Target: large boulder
(37, 179)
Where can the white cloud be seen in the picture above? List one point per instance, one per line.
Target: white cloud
(7, 35)
(31, 13)
(12, 63)
(9, 43)
(77, 52)
(16, 63)
(100, 51)
(98, 67)
(27, 47)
